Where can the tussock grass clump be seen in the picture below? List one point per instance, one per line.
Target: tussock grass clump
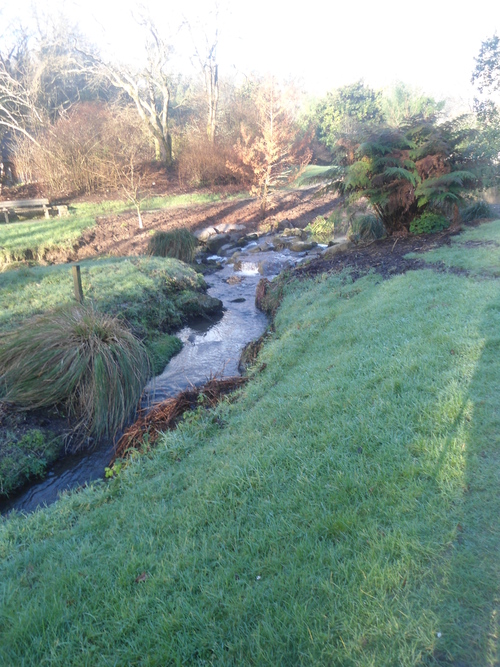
(475, 211)
(367, 228)
(79, 357)
(179, 244)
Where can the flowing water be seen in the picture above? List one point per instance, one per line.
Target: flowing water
(211, 348)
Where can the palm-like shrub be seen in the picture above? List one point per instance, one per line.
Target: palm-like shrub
(179, 244)
(78, 357)
(404, 172)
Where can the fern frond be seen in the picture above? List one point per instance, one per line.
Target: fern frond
(399, 172)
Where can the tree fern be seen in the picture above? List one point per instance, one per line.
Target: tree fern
(405, 171)
(399, 172)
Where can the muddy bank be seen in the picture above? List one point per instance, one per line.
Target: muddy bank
(120, 235)
(385, 256)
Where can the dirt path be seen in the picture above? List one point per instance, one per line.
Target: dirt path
(120, 234)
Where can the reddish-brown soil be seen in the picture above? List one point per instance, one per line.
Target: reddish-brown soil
(120, 234)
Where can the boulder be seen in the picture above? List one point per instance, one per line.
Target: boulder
(227, 249)
(284, 224)
(198, 303)
(261, 293)
(234, 280)
(302, 246)
(215, 242)
(333, 250)
(271, 267)
(295, 231)
(204, 234)
(226, 227)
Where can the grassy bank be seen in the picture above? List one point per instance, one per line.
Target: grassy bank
(34, 239)
(148, 292)
(476, 250)
(344, 511)
(154, 296)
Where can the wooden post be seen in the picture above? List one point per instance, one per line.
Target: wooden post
(77, 283)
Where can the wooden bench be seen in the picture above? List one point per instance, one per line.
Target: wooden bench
(21, 206)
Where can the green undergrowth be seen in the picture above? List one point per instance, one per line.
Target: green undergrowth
(162, 348)
(342, 511)
(25, 456)
(476, 249)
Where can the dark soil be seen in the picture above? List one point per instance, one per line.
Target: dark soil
(386, 256)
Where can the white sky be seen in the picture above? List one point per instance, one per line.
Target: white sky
(429, 44)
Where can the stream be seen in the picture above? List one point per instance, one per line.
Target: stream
(210, 348)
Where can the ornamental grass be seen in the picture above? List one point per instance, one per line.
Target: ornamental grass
(80, 358)
(179, 244)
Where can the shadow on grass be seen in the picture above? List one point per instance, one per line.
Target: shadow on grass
(470, 611)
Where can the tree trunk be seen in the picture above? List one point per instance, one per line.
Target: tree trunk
(163, 149)
(213, 100)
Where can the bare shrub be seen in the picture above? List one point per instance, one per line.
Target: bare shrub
(201, 162)
(80, 152)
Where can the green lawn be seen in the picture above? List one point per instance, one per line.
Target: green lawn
(477, 250)
(343, 511)
(32, 240)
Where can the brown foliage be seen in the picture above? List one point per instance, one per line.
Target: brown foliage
(166, 414)
(80, 152)
(432, 166)
(201, 162)
(267, 151)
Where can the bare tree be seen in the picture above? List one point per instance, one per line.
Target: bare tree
(149, 88)
(206, 57)
(39, 83)
(18, 109)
